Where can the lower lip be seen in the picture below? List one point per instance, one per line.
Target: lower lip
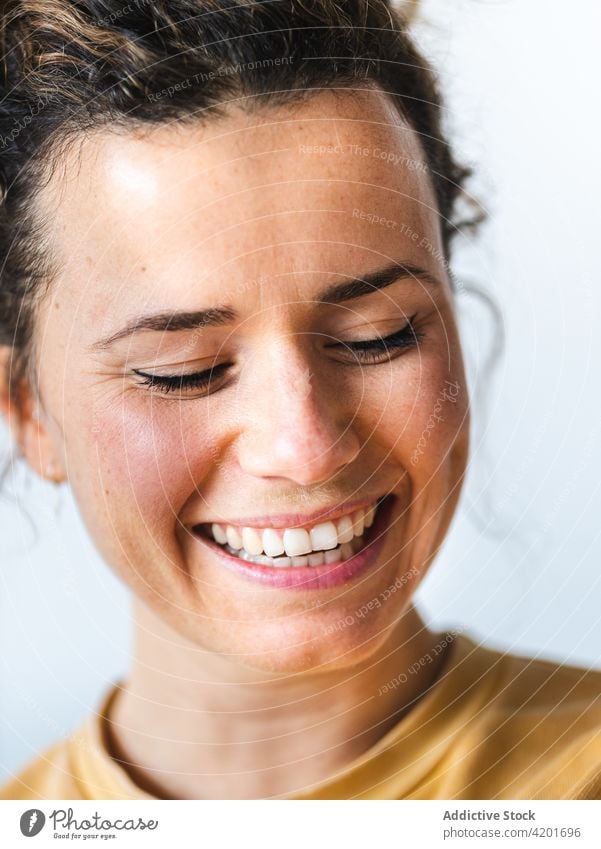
(312, 577)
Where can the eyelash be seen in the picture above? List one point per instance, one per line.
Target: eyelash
(371, 349)
(366, 351)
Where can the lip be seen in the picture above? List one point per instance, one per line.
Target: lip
(296, 520)
(312, 577)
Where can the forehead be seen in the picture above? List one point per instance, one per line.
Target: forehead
(322, 180)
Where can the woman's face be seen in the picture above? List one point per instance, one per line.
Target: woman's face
(221, 245)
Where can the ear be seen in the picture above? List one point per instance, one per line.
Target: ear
(6, 406)
(25, 421)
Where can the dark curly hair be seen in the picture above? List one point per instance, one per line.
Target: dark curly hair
(73, 66)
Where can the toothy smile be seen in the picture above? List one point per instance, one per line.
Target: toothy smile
(315, 545)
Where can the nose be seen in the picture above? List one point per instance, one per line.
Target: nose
(296, 425)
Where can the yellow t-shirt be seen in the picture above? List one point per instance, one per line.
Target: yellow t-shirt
(493, 726)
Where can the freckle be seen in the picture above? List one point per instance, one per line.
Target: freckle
(143, 268)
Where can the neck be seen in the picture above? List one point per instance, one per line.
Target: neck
(192, 724)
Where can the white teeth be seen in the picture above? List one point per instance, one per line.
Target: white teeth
(358, 521)
(297, 542)
(264, 561)
(272, 543)
(300, 561)
(318, 558)
(282, 561)
(327, 542)
(251, 541)
(219, 534)
(345, 529)
(324, 536)
(233, 537)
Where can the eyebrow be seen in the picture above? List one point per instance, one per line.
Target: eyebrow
(218, 316)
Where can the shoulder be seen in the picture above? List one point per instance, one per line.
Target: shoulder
(532, 692)
(538, 729)
(79, 767)
(48, 776)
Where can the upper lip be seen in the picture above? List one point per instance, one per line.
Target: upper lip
(297, 520)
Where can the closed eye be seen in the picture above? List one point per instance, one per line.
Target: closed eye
(364, 351)
(371, 350)
(181, 382)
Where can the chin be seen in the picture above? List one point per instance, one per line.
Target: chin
(321, 648)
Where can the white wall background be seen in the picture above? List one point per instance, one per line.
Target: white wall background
(521, 566)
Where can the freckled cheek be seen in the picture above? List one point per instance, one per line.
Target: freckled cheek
(150, 457)
(418, 412)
